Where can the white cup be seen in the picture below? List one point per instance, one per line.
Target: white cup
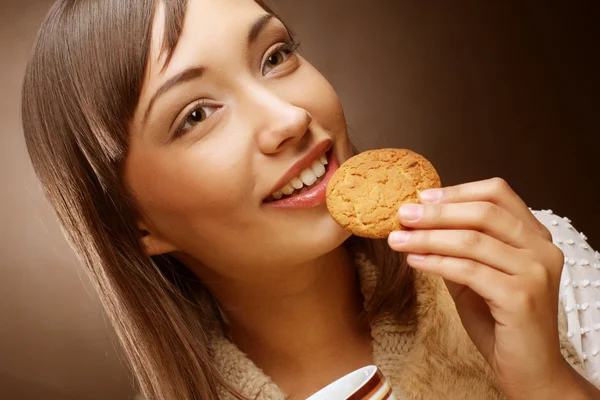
(367, 383)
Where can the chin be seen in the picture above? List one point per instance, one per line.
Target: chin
(328, 237)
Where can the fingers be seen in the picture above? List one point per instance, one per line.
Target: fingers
(495, 191)
(465, 244)
(511, 300)
(487, 282)
(481, 216)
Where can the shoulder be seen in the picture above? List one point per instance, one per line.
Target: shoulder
(579, 290)
(568, 239)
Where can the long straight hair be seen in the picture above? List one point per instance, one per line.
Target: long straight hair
(81, 88)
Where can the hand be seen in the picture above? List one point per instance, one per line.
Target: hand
(503, 272)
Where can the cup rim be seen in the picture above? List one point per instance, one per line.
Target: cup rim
(370, 370)
(364, 387)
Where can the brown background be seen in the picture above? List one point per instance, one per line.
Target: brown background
(481, 88)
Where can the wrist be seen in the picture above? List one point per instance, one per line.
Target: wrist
(576, 386)
(567, 383)
(564, 383)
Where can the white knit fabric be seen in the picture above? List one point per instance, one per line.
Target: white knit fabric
(579, 289)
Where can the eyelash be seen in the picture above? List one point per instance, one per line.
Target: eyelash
(290, 47)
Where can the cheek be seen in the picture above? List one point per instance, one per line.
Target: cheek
(182, 190)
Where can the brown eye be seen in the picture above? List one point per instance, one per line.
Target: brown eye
(196, 116)
(280, 56)
(276, 59)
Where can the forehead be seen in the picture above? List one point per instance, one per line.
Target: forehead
(207, 25)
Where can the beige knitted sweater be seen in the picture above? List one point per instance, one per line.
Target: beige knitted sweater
(430, 358)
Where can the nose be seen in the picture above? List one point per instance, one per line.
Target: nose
(280, 124)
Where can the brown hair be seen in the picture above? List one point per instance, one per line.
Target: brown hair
(81, 89)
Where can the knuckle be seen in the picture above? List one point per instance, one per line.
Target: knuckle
(450, 194)
(470, 239)
(489, 211)
(556, 258)
(519, 229)
(557, 254)
(422, 237)
(545, 232)
(499, 185)
(434, 212)
(469, 269)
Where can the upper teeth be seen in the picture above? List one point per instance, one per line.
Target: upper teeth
(307, 177)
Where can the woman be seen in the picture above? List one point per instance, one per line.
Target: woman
(164, 132)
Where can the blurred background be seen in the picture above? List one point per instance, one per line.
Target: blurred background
(481, 88)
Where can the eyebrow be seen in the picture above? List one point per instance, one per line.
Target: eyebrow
(258, 27)
(196, 72)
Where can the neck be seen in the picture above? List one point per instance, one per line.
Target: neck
(303, 331)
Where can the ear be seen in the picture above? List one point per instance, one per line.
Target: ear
(154, 243)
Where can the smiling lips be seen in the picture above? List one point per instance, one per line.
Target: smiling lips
(308, 177)
(307, 187)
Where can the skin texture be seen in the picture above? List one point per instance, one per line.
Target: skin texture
(273, 271)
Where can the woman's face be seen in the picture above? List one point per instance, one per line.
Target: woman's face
(232, 118)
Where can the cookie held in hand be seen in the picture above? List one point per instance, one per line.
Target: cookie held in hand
(365, 193)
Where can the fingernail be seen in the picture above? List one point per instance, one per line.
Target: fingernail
(399, 237)
(411, 212)
(432, 195)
